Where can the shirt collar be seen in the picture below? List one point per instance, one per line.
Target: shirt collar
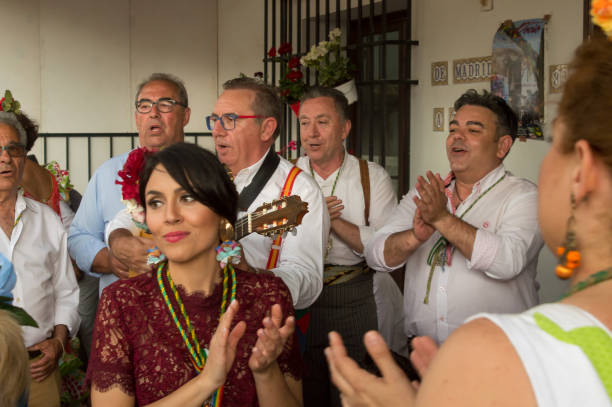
(482, 184)
(246, 175)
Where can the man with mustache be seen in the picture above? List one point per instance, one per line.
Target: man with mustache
(161, 114)
(470, 242)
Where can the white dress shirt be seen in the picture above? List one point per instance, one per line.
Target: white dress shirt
(46, 286)
(300, 263)
(500, 277)
(349, 189)
(382, 203)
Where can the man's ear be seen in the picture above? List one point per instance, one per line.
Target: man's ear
(186, 116)
(503, 146)
(268, 127)
(346, 128)
(585, 176)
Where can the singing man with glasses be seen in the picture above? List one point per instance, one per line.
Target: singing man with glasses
(162, 111)
(33, 238)
(244, 124)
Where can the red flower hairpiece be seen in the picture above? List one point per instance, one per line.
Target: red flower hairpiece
(130, 176)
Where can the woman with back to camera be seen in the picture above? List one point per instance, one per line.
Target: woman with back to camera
(152, 330)
(556, 354)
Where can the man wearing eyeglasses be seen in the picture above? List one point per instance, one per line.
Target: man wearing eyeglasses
(161, 114)
(244, 123)
(33, 238)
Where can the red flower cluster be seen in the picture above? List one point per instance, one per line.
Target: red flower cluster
(130, 174)
(291, 85)
(284, 49)
(294, 62)
(294, 75)
(1, 100)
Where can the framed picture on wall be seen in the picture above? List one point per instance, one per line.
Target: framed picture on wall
(589, 29)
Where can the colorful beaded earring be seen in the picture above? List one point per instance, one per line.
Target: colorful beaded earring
(569, 256)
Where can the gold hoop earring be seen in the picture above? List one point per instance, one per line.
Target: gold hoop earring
(226, 230)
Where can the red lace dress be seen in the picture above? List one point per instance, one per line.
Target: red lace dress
(138, 348)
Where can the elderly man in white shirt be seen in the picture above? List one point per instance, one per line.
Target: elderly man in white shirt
(360, 197)
(34, 240)
(470, 242)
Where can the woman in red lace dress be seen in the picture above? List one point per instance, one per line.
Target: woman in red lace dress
(152, 330)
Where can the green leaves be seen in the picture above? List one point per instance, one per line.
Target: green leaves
(22, 317)
(8, 104)
(326, 58)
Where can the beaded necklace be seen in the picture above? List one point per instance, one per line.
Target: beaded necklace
(337, 175)
(593, 279)
(329, 239)
(198, 354)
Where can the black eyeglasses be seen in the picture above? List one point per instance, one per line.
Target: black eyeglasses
(164, 105)
(228, 120)
(14, 150)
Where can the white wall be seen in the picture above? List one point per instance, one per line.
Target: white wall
(454, 29)
(75, 65)
(241, 38)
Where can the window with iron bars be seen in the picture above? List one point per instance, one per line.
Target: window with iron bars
(376, 36)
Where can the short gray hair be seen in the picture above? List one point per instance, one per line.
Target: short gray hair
(168, 78)
(340, 102)
(11, 120)
(267, 103)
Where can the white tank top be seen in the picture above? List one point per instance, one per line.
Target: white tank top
(566, 352)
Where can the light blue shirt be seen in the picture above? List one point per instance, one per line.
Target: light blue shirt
(100, 204)
(7, 277)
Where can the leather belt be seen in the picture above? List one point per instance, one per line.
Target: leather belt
(337, 274)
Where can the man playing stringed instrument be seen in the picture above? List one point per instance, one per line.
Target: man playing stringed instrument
(244, 124)
(470, 242)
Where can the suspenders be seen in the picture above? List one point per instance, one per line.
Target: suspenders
(276, 245)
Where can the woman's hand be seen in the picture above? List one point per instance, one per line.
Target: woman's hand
(271, 340)
(222, 350)
(359, 388)
(424, 349)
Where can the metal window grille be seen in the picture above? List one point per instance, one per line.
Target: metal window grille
(377, 38)
(113, 143)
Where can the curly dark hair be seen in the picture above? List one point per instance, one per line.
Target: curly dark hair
(507, 121)
(586, 105)
(30, 127)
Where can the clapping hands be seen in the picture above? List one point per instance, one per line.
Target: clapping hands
(271, 340)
